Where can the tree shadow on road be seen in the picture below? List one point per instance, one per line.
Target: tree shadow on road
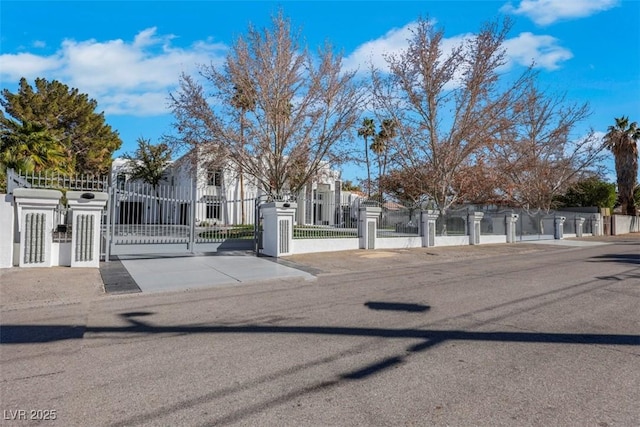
(620, 258)
(427, 339)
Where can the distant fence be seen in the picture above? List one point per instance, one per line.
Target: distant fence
(77, 182)
(321, 219)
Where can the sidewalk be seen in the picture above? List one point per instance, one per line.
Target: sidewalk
(22, 288)
(32, 287)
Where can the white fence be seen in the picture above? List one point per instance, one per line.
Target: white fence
(140, 216)
(624, 224)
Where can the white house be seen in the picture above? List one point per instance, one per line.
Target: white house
(222, 197)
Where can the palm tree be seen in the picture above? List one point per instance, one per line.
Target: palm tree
(29, 147)
(243, 100)
(380, 147)
(149, 164)
(368, 129)
(622, 139)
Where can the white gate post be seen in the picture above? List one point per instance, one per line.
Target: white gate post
(595, 224)
(368, 226)
(35, 225)
(7, 225)
(302, 205)
(558, 222)
(428, 229)
(474, 219)
(86, 211)
(511, 220)
(277, 228)
(579, 225)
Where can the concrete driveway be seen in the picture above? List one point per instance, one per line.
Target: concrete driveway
(180, 273)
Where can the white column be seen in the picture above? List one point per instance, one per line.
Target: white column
(277, 226)
(558, 223)
(428, 229)
(579, 225)
(86, 211)
(473, 220)
(368, 226)
(597, 224)
(35, 225)
(302, 206)
(511, 220)
(7, 223)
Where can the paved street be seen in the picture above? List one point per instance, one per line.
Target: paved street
(498, 335)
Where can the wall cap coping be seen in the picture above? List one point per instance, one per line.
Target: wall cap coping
(98, 196)
(372, 209)
(37, 193)
(279, 205)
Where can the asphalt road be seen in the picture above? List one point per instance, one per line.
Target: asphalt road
(548, 337)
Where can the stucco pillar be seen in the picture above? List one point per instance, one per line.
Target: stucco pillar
(596, 224)
(86, 213)
(473, 220)
(558, 223)
(579, 226)
(35, 225)
(277, 226)
(368, 226)
(302, 206)
(428, 229)
(511, 220)
(7, 226)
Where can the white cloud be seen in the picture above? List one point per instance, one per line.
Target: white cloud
(27, 65)
(545, 12)
(373, 51)
(394, 42)
(146, 103)
(527, 48)
(597, 139)
(39, 44)
(124, 77)
(542, 50)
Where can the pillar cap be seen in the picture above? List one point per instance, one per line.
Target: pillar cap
(280, 205)
(371, 209)
(87, 200)
(97, 196)
(37, 193)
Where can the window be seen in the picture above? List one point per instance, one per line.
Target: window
(120, 180)
(214, 178)
(213, 209)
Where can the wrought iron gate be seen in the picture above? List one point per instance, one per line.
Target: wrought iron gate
(143, 219)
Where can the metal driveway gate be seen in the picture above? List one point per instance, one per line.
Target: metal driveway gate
(143, 219)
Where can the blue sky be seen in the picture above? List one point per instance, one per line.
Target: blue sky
(128, 55)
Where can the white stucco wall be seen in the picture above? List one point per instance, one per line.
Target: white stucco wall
(451, 241)
(305, 246)
(6, 230)
(624, 224)
(491, 238)
(61, 254)
(398, 242)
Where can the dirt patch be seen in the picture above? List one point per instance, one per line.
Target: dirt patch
(378, 254)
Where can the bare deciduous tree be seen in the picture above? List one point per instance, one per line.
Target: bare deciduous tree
(447, 105)
(299, 108)
(540, 157)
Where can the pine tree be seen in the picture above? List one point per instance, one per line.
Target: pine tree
(69, 117)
